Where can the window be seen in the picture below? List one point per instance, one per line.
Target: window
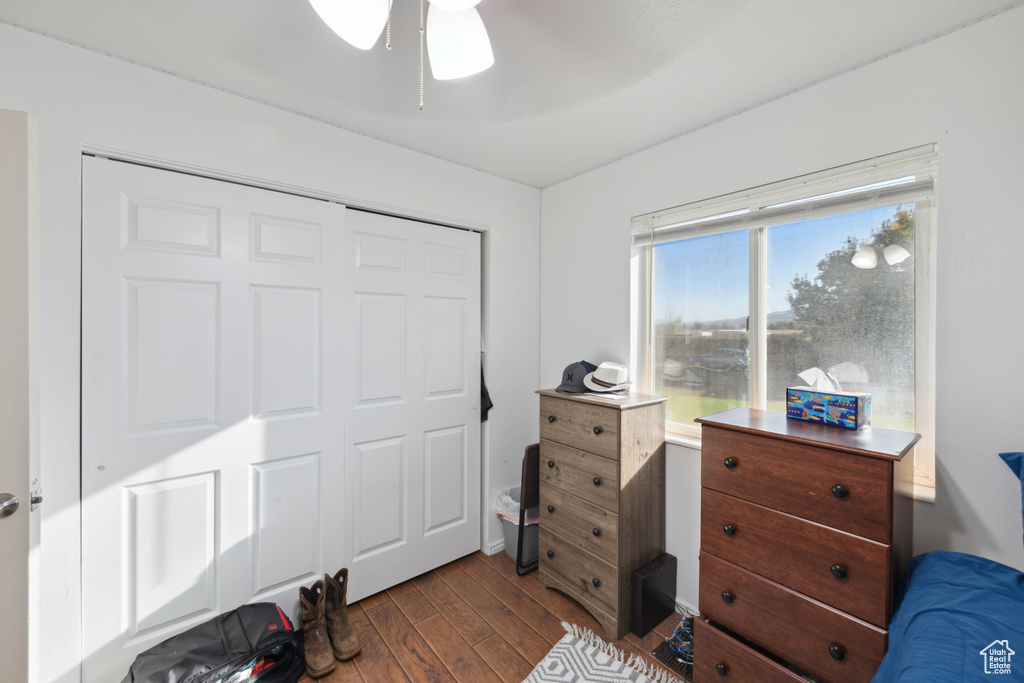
(739, 297)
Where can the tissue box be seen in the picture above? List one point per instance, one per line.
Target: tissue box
(838, 408)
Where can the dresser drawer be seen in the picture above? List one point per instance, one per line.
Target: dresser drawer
(587, 476)
(783, 621)
(720, 657)
(590, 427)
(586, 525)
(840, 490)
(608, 620)
(837, 568)
(594, 580)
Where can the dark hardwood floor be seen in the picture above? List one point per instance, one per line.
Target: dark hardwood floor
(471, 621)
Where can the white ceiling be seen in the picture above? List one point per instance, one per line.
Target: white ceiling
(575, 84)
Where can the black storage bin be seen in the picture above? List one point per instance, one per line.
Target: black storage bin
(654, 594)
(215, 649)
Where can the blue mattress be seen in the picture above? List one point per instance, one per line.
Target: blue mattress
(954, 607)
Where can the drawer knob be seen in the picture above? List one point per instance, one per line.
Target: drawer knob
(596, 582)
(729, 530)
(598, 430)
(836, 652)
(597, 481)
(838, 571)
(839, 491)
(551, 463)
(551, 508)
(551, 418)
(721, 669)
(727, 596)
(551, 553)
(597, 532)
(730, 463)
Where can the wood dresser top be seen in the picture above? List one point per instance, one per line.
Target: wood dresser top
(633, 400)
(875, 442)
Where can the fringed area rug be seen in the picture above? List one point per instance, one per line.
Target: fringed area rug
(582, 657)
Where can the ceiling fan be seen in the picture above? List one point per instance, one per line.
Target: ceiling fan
(457, 42)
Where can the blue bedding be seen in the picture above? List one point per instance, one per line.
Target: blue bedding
(954, 608)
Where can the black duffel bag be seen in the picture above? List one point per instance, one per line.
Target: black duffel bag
(254, 643)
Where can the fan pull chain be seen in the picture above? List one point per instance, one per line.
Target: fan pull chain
(390, 3)
(421, 55)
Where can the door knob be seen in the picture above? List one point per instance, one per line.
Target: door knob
(8, 504)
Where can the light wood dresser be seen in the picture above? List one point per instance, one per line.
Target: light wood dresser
(602, 498)
(805, 530)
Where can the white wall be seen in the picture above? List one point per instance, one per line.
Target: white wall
(964, 91)
(82, 99)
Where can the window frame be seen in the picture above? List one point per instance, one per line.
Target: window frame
(839, 190)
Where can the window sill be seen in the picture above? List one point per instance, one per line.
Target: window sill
(690, 442)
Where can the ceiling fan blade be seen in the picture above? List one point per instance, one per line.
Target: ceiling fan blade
(358, 22)
(457, 43)
(455, 5)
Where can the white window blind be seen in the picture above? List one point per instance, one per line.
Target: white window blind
(882, 181)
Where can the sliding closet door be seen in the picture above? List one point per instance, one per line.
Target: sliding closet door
(213, 411)
(273, 387)
(412, 459)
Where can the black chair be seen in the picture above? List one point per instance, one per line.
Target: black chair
(529, 497)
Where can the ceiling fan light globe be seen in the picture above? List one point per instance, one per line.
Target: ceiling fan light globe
(894, 254)
(457, 43)
(454, 5)
(358, 22)
(865, 258)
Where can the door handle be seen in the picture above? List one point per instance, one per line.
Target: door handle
(8, 504)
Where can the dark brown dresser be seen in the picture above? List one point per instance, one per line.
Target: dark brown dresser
(602, 498)
(805, 530)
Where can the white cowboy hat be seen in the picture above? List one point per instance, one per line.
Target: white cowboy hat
(608, 377)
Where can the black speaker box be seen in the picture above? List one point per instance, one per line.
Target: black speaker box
(654, 594)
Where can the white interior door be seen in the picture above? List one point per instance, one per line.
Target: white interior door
(413, 449)
(18, 311)
(212, 403)
(273, 387)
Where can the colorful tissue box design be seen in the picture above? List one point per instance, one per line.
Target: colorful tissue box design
(838, 408)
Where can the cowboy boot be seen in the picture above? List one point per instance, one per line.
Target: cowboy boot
(344, 639)
(319, 657)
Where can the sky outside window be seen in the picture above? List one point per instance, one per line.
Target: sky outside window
(694, 283)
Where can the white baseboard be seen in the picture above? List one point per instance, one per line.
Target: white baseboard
(496, 547)
(684, 607)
